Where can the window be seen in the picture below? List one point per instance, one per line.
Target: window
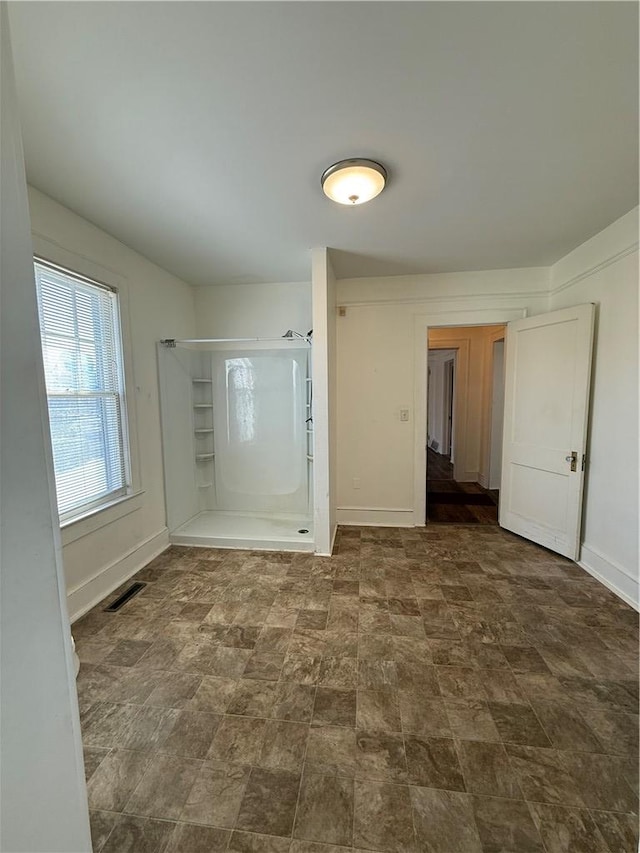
(81, 347)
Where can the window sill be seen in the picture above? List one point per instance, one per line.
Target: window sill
(84, 525)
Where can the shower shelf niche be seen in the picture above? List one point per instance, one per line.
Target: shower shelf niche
(203, 428)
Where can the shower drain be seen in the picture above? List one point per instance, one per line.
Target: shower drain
(303, 530)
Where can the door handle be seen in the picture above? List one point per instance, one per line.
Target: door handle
(573, 458)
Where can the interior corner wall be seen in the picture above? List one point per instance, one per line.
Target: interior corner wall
(43, 807)
(102, 552)
(376, 375)
(604, 270)
(253, 310)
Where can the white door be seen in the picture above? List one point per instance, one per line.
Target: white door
(547, 377)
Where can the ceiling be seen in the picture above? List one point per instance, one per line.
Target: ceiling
(196, 133)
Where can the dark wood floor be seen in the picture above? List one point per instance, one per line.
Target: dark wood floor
(439, 467)
(450, 502)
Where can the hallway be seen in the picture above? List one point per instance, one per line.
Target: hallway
(436, 689)
(456, 503)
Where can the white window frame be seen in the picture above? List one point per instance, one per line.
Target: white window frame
(111, 500)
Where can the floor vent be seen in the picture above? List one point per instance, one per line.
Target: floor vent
(134, 589)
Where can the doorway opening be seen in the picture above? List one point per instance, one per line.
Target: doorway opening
(465, 408)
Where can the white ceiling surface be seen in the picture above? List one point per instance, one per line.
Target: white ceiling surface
(196, 133)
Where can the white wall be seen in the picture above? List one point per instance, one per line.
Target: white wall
(102, 551)
(43, 807)
(378, 367)
(604, 270)
(324, 400)
(253, 310)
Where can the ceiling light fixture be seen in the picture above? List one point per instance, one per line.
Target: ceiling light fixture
(354, 181)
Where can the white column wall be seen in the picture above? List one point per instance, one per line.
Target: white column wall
(43, 797)
(324, 400)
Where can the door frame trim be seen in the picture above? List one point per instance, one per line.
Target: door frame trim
(459, 403)
(421, 325)
(487, 402)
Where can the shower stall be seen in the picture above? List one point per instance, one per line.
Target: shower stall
(237, 438)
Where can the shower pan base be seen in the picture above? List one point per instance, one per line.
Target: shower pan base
(243, 530)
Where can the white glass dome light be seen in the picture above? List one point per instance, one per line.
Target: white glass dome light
(354, 181)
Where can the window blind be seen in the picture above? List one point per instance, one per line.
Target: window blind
(81, 346)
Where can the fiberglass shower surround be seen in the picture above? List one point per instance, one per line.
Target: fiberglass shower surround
(237, 435)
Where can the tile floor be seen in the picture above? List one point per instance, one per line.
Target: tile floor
(451, 689)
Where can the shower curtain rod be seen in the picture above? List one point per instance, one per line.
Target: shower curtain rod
(171, 342)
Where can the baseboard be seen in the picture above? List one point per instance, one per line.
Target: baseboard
(614, 576)
(86, 595)
(468, 477)
(333, 537)
(242, 543)
(357, 516)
